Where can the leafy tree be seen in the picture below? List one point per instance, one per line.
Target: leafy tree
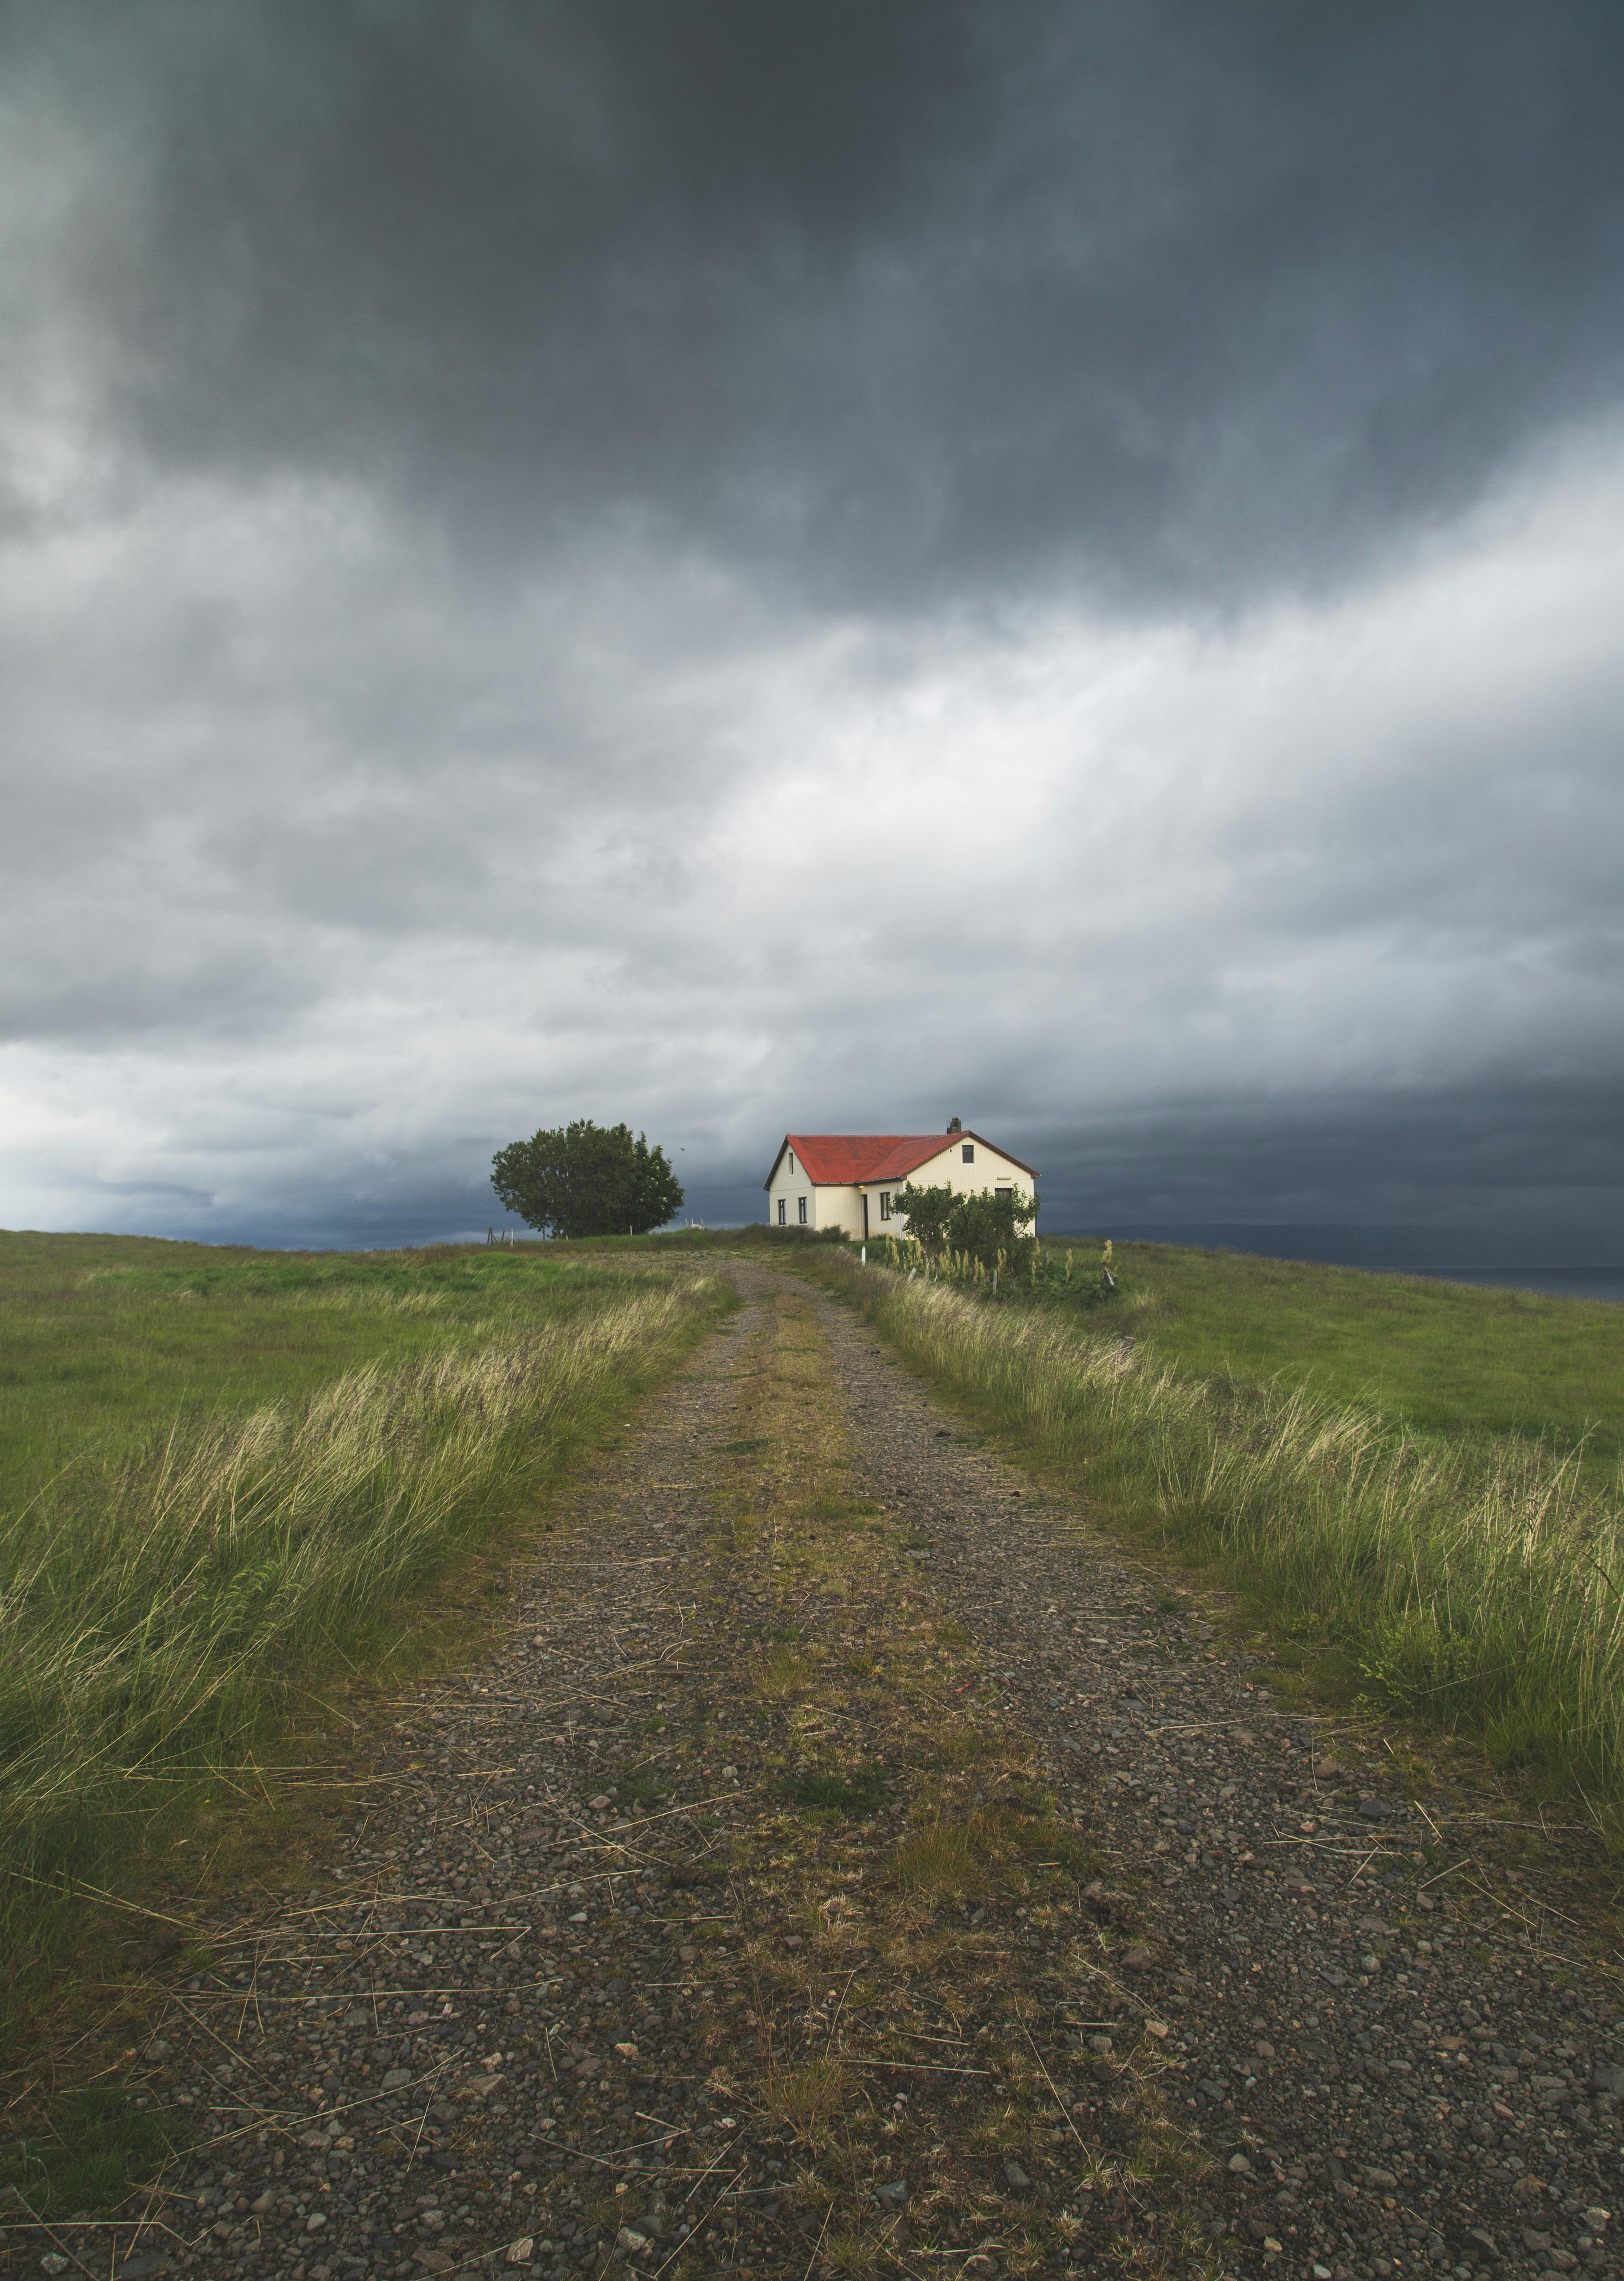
(587, 1179)
(983, 1224)
(656, 1192)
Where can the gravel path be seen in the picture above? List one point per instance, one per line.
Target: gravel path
(849, 1863)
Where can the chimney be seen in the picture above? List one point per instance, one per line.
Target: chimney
(955, 1124)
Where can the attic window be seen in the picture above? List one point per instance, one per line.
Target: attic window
(792, 1157)
(968, 1152)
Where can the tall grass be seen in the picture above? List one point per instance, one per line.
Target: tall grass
(105, 1340)
(1440, 1355)
(1480, 1583)
(156, 1610)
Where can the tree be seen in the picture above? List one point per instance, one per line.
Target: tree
(587, 1179)
(983, 1224)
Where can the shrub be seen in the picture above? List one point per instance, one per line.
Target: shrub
(988, 1226)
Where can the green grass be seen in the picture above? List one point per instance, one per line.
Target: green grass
(1444, 1357)
(246, 1491)
(860, 1793)
(103, 1339)
(645, 1784)
(1472, 1577)
(91, 2147)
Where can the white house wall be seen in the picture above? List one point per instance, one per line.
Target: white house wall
(840, 1207)
(826, 1206)
(792, 1187)
(949, 1170)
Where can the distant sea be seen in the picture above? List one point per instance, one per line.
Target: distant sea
(1607, 1284)
(1452, 1256)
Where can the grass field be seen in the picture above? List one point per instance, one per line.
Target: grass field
(225, 1473)
(107, 1338)
(1441, 1357)
(1391, 1475)
(230, 1473)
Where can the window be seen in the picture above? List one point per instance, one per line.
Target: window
(792, 1157)
(1004, 1192)
(968, 1152)
(885, 1204)
(783, 1211)
(802, 1202)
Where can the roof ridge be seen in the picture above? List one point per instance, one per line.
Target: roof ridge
(847, 1159)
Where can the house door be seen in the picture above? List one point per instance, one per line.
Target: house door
(865, 1215)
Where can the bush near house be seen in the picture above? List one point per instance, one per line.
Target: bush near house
(990, 1226)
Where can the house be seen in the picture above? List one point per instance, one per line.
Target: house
(852, 1180)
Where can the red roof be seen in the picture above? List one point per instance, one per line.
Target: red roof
(839, 1160)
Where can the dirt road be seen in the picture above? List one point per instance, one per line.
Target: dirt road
(849, 1863)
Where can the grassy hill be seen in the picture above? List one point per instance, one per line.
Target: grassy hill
(106, 1339)
(1443, 1358)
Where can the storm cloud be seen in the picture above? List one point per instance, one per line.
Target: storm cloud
(748, 568)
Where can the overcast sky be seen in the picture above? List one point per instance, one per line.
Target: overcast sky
(750, 568)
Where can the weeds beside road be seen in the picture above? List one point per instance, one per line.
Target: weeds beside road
(105, 1341)
(163, 1610)
(1478, 1584)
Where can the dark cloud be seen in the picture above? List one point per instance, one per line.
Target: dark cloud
(896, 303)
(741, 567)
(1514, 1166)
